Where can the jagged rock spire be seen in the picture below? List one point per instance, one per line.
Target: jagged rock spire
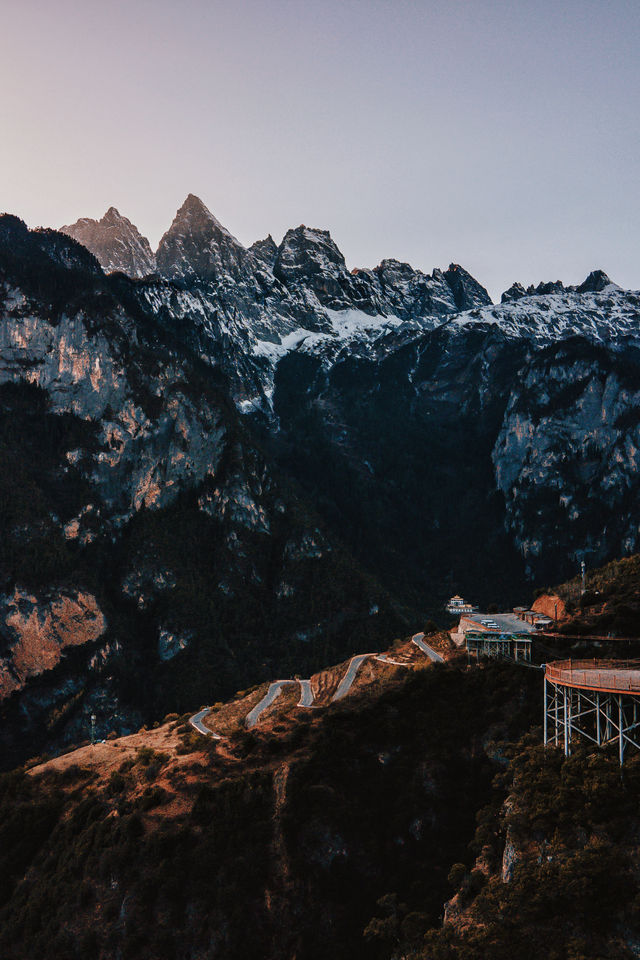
(116, 243)
(197, 246)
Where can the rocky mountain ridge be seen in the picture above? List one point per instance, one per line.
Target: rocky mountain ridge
(244, 309)
(268, 297)
(115, 242)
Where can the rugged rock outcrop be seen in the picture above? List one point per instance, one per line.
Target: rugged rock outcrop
(243, 309)
(34, 632)
(568, 452)
(551, 605)
(115, 242)
(198, 247)
(467, 292)
(595, 282)
(265, 250)
(309, 260)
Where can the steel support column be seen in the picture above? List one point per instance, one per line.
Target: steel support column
(620, 729)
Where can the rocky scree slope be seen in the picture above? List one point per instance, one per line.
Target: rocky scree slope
(150, 556)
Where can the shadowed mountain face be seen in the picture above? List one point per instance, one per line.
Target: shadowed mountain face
(149, 555)
(248, 463)
(197, 246)
(469, 460)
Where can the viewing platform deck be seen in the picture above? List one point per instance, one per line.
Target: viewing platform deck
(606, 676)
(593, 700)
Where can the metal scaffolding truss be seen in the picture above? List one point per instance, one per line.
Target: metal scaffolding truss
(601, 716)
(506, 646)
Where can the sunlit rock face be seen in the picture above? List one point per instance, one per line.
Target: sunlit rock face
(78, 368)
(35, 631)
(115, 242)
(153, 436)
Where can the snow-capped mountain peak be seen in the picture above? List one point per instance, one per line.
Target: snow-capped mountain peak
(597, 309)
(596, 282)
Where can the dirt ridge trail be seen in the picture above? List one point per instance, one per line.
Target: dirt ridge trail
(280, 893)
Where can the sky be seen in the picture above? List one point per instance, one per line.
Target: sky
(503, 135)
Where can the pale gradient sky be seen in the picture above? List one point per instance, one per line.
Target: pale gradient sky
(501, 134)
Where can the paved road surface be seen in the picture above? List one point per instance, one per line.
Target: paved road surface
(306, 693)
(196, 721)
(345, 684)
(271, 694)
(418, 639)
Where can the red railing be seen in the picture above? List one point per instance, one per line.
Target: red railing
(623, 675)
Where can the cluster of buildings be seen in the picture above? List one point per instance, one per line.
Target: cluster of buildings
(507, 635)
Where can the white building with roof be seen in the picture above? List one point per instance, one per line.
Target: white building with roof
(457, 606)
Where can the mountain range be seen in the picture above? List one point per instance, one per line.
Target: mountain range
(220, 463)
(525, 408)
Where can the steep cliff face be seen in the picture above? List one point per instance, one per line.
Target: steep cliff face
(556, 864)
(508, 432)
(568, 452)
(36, 631)
(139, 491)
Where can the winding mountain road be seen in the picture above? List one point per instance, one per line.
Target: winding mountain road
(345, 684)
(418, 639)
(306, 694)
(274, 691)
(306, 691)
(196, 722)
